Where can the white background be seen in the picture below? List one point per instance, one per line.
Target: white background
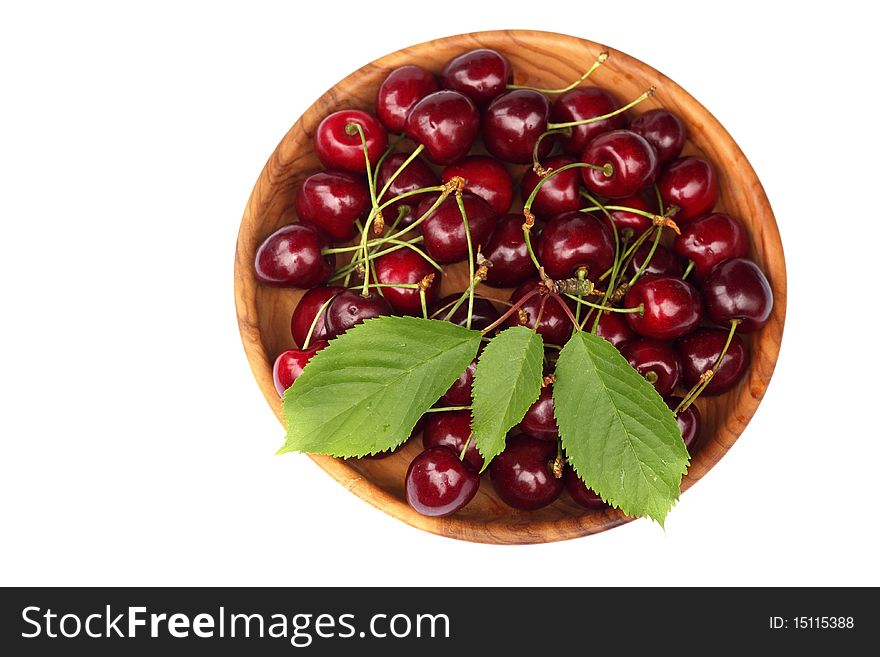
(136, 447)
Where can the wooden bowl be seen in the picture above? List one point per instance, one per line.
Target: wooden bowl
(545, 60)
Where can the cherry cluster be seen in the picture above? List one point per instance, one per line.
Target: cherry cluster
(617, 235)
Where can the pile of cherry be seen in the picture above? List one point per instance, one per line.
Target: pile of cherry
(620, 221)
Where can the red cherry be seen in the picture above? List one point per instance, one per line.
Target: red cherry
(480, 74)
(513, 123)
(484, 313)
(307, 310)
(614, 328)
(585, 103)
(689, 422)
(633, 164)
(443, 230)
(339, 147)
(573, 240)
(655, 360)
(506, 250)
(539, 421)
(399, 92)
(710, 240)
(349, 308)
(560, 193)
(636, 222)
(700, 350)
(459, 393)
(485, 177)
(291, 257)
(586, 497)
(672, 307)
(738, 289)
(452, 429)
(555, 327)
(690, 184)
(438, 483)
(406, 266)
(332, 200)
(663, 263)
(289, 365)
(663, 130)
(446, 123)
(521, 474)
(416, 175)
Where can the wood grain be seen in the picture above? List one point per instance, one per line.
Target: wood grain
(547, 60)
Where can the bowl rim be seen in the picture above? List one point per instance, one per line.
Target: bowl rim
(500, 531)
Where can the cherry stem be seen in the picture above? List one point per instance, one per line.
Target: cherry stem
(540, 313)
(400, 169)
(707, 376)
(594, 119)
(400, 197)
(611, 309)
(402, 286)
(627, 255)
(536, 160)
(467, 443)
(514, 308)
(581, 275)
(314, 323)
(374, 212)
(467, 233)
(607, 169)
(577, 327)
(388, 151)
(446, 190)
(603, 56)
(443, 409)
(615, 266)
(687, 272)
(641, 270)
(351, 266)
(424, 301)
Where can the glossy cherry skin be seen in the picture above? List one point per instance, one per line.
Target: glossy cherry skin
(486, 178)
(738, 289)
(701, 349)
(559, 193)
(585, 103)
(446, 123)
(291, 257)
(459, 393)
(480, 74)
(663, 263)
(635, 222)
(452, 429)
(307, 310)
(337, 149)
(332, 200)
(579, 492)
(614, 328)
(555, 327)
(663, 130)
(438, 483)
(349, 308)
(539, 421)
(416, 175)
(399, 92)
(689, 422)
(672, 307)
(710, 240)
(506, 250)
(572, 240)
(521, 474)
(289, 365)
(512, 124)
(690, 184)
(647, 355)
(632, 158)
(484, 312)
(444, 233)
(406, 266)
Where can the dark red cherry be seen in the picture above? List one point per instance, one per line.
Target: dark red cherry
(663, 130)
(663, 263)
(636, 222)
(690, 184)
(446, 123)
(701, 349)
(480, 74)
(484, 312)
(291, 257)
(585, 103)
(689, 422)
(579, 492)
(539, 421)
(738, 289)
(485, 177)
(672, 307)
(657, 361)
(614, 328)
(332, 200)
(406, 266)
(555, 327)
(633, 164)
(416, 175)
(572, 240)
(512, 124)
(340, 147)
(506, 250)
(438, 483)
(307, 310)
(289, 365)
(560, 193)
(710, 240)
(349, 308)
(522, 474)
(452, 429)
(443, 230)
(399, 92)
(459, 393)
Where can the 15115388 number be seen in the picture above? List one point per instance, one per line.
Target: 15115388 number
(812, 622)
